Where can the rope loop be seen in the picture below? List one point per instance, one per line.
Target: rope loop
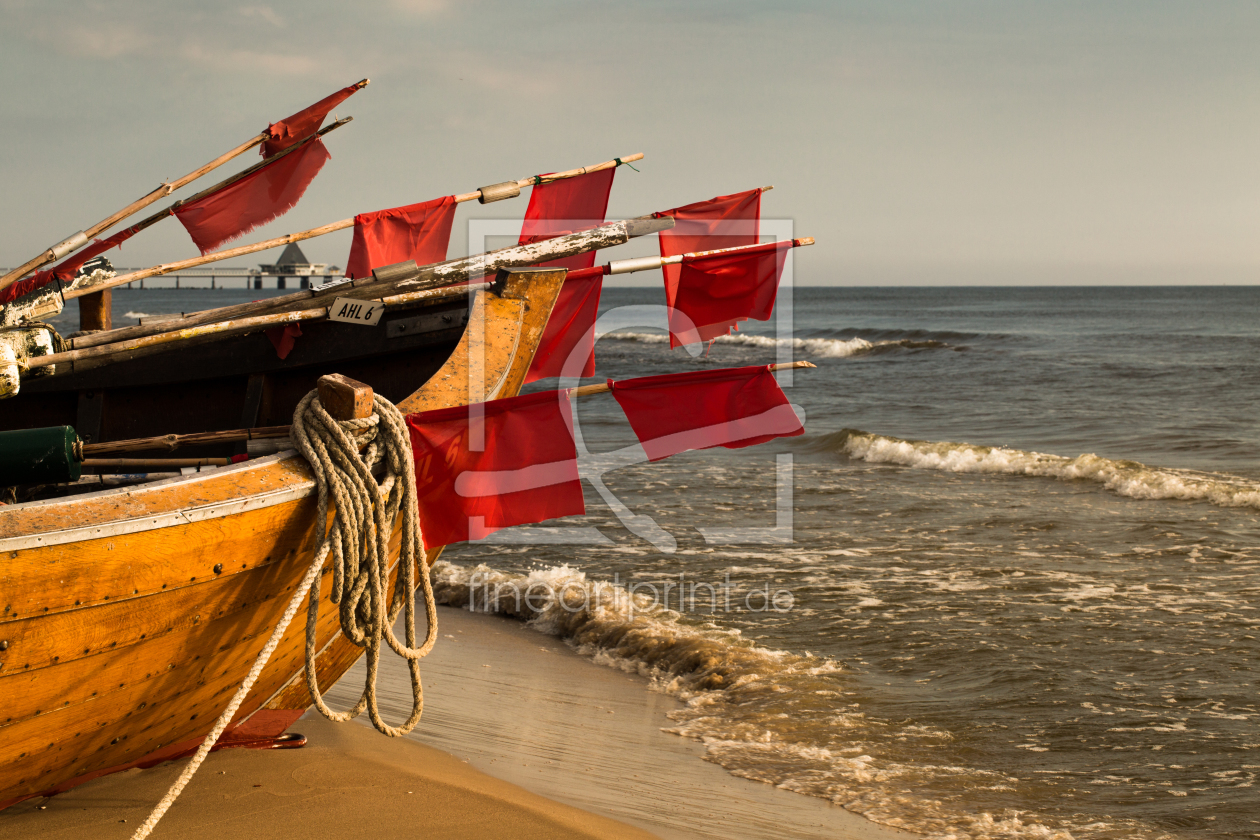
(366, 511)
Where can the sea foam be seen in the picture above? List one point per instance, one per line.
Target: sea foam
(756, 710)
(1127, 478)
(817, 348)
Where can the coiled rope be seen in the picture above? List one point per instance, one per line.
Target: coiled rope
(359, 542)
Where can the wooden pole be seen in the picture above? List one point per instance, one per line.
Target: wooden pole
(172, 442)
(604, 387)
(74, 291)
(161, 192)
(136, 206)
(162, 214)
(441, 274)
(560, 176)
(95, 311)
(164, 464)
(83, 357)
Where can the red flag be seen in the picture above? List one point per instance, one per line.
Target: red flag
(284, 338)
(567, 347)
(728, 221)
(733, 407)
(488, 466)
(254, 200)
(419, 232)
(303, 124)
(720, 288)
(67, 268)
(570, 205)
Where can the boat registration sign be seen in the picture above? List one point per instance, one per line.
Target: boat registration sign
(351, 311)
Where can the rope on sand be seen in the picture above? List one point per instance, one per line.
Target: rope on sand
(359, 542)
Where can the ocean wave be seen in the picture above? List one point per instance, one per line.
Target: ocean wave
(1127, 478)
(818, 348)
(757, 710)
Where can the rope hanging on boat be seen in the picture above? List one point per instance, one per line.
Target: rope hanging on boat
(359, 542)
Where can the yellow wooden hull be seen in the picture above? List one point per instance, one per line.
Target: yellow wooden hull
(129, 617)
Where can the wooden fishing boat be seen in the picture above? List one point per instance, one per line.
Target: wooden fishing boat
(128, 617)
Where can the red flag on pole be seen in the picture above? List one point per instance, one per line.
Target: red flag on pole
(281, 135)
(419, 232)
(570, 205)
(567, 347)
(720, 288)
(254, 200)
(67, 268)
(734, 407)
(728, 221)
(492, 465)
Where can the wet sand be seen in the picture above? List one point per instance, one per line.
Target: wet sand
(520, 737)
(522, 706)
(348, 782)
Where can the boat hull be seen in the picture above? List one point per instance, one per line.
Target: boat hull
(129, 617)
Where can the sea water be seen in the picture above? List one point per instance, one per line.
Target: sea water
(1014, 568)
(1005, 585)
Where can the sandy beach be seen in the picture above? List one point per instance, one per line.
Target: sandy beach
(522, 706)
(348, 782)
(521, 737)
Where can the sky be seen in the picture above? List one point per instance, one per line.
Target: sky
(922, 143)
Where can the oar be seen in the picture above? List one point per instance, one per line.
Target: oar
(78, 240)
(173, 442)
(496, 192)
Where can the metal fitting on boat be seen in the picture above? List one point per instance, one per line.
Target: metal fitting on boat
(636, 264)
(498, 192)
(397, 271)
(65, 246)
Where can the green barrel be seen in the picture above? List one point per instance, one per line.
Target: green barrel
(39, 456)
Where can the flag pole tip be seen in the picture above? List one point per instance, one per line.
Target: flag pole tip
(767, 189)
(362, 84)
(807, 240)
(631, 158)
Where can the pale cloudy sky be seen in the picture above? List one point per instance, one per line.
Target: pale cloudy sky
(920, 142)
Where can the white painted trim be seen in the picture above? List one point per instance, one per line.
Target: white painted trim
(152, 522)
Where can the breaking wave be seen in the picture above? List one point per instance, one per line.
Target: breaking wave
(1127, 478)
(818, 348)
(789, 720)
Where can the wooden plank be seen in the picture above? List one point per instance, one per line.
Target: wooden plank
(54, 579)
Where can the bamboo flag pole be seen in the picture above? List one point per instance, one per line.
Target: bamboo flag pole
(226, 182)
(183, 265)
(173, 442)
(73, 243)
(106, 352)
(604, 387)
(147, 345)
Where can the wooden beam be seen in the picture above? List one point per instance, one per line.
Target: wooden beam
(95, 311)
(345, 398)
